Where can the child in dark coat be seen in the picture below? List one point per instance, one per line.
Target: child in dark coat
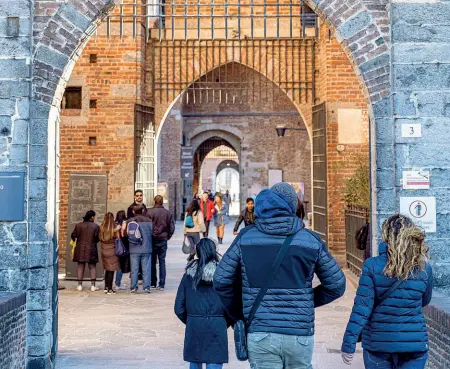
(198, 306)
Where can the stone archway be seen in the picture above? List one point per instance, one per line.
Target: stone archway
(61, 29)
(227, 164)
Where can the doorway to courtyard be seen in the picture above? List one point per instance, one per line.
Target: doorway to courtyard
(176, 88)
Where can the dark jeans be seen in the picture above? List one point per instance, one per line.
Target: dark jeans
(207, 222)
(381, 360)
(159, 253)
(109, 276)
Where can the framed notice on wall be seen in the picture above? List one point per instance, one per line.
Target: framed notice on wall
(86, 192)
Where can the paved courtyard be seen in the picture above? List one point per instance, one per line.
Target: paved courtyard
(141, 331)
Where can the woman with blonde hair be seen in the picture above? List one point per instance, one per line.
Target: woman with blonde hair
(392, 290)
(108, 234)
(219, 218)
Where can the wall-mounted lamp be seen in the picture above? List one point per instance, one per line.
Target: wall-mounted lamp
(281, 130)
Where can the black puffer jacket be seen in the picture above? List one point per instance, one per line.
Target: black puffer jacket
(205, 340)
(288, 306)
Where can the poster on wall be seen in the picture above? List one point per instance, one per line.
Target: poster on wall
(163, 190)
(422, 210)
(86, 192)
(275, 176)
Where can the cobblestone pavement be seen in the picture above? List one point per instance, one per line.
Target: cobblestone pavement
(126, 331)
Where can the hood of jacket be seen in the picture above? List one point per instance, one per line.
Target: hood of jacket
(275, 214)
(208, 270)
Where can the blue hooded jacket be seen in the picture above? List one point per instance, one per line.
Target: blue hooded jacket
(398, 324)
(288, 306)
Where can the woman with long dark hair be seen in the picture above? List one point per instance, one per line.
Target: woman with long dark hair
(86, 236)
(108, 234)
(392, 290)
(199, 308)
(194, 224)
(124, 261)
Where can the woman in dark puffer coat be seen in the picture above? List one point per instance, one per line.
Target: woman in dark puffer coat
(198, 306)
(394, 334)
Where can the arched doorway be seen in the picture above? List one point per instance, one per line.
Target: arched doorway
(47, 89)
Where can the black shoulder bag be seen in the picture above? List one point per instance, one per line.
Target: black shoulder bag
(240, 328)
(382, 298)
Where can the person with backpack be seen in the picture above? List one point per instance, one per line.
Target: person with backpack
(108, 234)
(247, 216)
(193, 225)
(199, 308)
(387, 315)
(139, 230)
(265, 283)
(163, 230)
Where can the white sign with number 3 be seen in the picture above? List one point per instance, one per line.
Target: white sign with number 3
(411, 130)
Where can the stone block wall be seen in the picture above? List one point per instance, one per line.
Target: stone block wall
(421, 75)
(13, 330)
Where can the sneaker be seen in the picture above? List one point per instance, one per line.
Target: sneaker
(93, 288)
(105, 291)
(133, 290)
(153, 287)
(80, 288)
(111, 292)
(147, 290)
(160, 289)
(121, 287)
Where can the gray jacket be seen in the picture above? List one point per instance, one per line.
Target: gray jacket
(146, 228)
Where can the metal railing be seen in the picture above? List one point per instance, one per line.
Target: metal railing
(355, 218)
(238, 19)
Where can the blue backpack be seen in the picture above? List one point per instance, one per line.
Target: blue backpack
(189, 222)
(134, 233)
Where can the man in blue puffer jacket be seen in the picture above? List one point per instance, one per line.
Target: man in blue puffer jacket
(282, 333)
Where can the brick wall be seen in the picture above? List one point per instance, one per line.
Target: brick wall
(13, 330)
(340, 88)
(260, 148)
(116, 81)
(438, 320)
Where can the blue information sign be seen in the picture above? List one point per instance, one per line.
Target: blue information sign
(12, 196)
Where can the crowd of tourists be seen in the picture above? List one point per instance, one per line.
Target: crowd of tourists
(263, 285)
(132, 242)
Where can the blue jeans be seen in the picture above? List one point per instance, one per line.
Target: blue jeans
(159, 253)
(381, 360)
(145, 261)
(119, 276)
(208, 366)
(279, 351)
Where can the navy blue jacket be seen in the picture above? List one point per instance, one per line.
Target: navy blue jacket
(398, 324)
(288, 306)
(206, 322)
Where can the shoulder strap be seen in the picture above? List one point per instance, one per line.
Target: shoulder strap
(270, 276)
(389, 292)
